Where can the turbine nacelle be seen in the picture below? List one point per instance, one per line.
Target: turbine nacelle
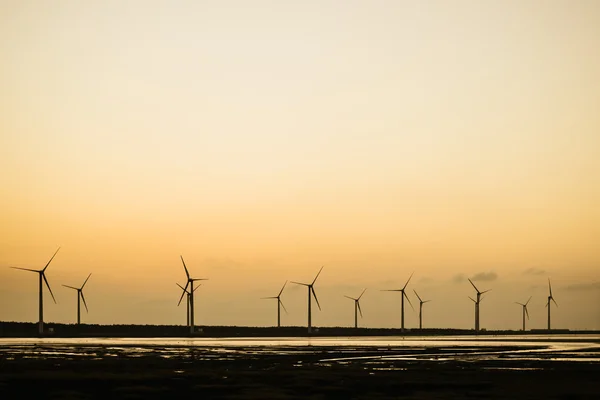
(42, 273)
(357, 301)
(278, 297)
(80, 291)
(190, 281)
(478, 292)
(420, 300)
(525, 306)
(550, 298)
(311, 288)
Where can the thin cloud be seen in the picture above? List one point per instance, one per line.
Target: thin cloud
(485, 276)
(584, 286)
(293, 287)
(459, 278)
(534, 271)
(388, 282)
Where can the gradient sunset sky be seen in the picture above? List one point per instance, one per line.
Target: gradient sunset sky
(264, 139)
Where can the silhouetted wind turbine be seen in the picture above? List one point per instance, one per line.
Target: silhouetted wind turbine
(279, 304)
(356, 307)
(42, 276)
(548, 303)
(311, 289)
(190, 282)
(403, 296)
(477, 304)
(187, 302)
(524, 311)
(80, 296)
(420, 309)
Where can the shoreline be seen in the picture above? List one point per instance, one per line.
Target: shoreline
(55, 330)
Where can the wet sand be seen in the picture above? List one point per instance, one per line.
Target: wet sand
(134, 371)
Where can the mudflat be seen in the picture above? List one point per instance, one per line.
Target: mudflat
(64, 371)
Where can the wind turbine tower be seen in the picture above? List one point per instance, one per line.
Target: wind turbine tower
(42, 276)
(421, 302)
(356, 307)
(187, 302)
(279, 304)
(190, 283)
(311, 289)
(403, 296)
(525, 312)
(548, 303)
(477, 304)
(79, 298)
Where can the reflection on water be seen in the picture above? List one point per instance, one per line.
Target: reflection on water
(412, 341)
(375, 352)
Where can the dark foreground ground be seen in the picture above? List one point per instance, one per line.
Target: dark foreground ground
(103, 372)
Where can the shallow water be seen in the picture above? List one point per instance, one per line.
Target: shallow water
(375, 351)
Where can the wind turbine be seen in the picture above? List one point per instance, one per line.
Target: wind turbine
(311, 289)
(356, 307)
(79, 298)
(188, 302)
(279, 304)
(477, 304)
(403, 296)
(524, 311)
(421, 309)
(548, 303)
(42, 276)
(190, 282)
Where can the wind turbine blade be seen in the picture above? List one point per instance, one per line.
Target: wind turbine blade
(181, 287)
(319, 273)
(407, 298)
(184, 267)
(426, 301)
(390, 290)
(298, 283)
(86, 281)
(196, 288)
(281, 302)
(70, 287)
(315, 295)
(409, 278)
(555, 302)
(472, 299)
(359, 310)
(363, 292)
(25, 269)
(522, 305)
(181, 298)
(272, 297)
(51, 259)
(351, 298)
(486, 291)
(281, 291)
(48, 285)
(528, 300)
(549, 287)
(473, 285)
(184, 292)
(83, 298)
(417, 294)
(526, 312)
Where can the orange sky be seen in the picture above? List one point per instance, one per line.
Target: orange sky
(261, 142)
